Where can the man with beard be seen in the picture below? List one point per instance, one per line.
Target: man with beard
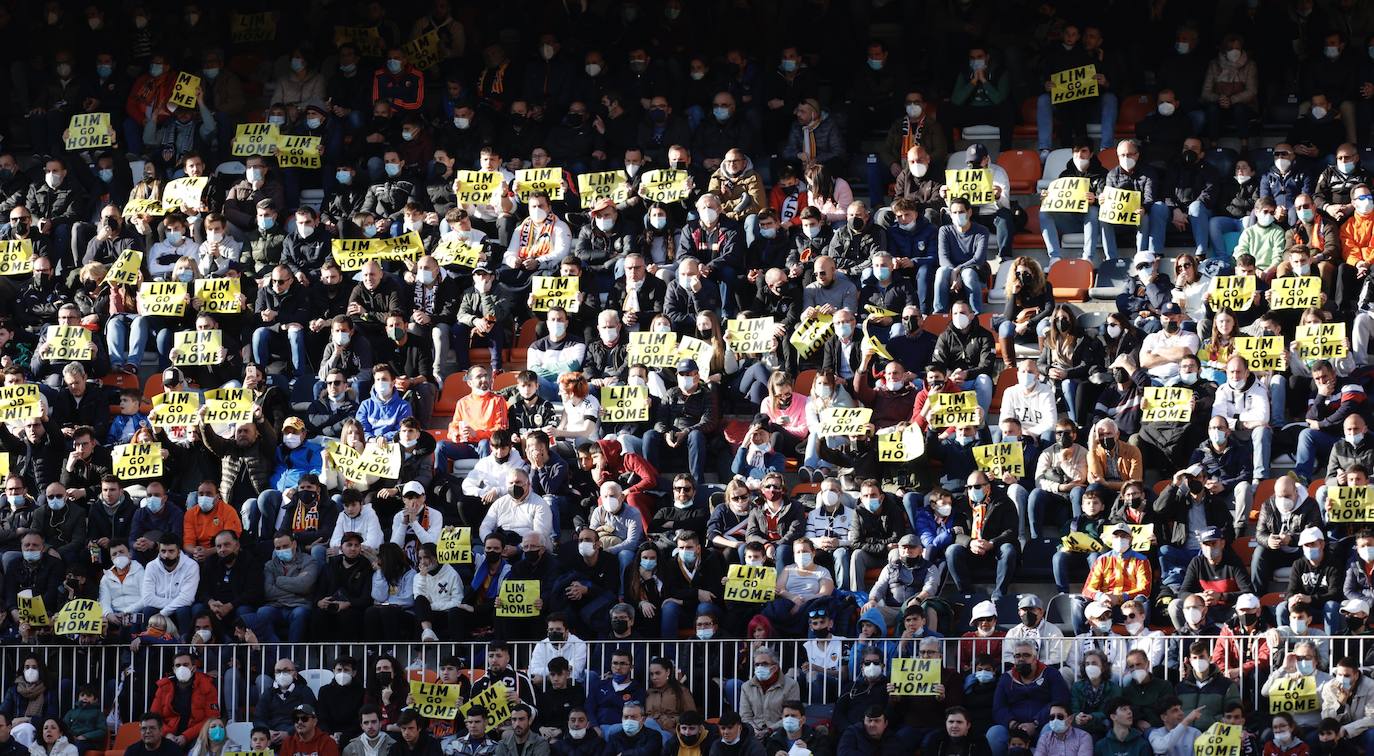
(247, 462)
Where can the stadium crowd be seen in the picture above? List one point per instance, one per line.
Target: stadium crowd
(309, 313)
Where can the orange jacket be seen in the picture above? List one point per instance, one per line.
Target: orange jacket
(1127, 573)
(1357, 238)
(484, 413)
(204, 705)
(200, 528)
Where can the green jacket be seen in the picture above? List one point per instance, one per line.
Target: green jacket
(1135, 744)
(1145, 698)
(1266, 244)
(85, 722)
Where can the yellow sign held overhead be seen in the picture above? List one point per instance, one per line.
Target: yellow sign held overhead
(255, 139)
(1295, 293)
(665, 185)
(137, 461)
(89, 131)
(165, 298)
(554, 291)
(999, 459)
(198, 348)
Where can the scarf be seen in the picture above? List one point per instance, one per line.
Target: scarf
(912, 131)
(372, 748)
(536, 241)
(498, 81)
(33, 694)
(486, 582)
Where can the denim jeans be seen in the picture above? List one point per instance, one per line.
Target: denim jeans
(695, 442)
(1149, 235)
(1261, 439)
(1044, 121)
(1046, 507)
(1199, 222)
(1312, 446)
(1218, 229)
(180, 617)
(973, 289)
(271, 617)
(1173, 562)
(981, 386)
(924, 273)
(1052, 223)
(1063, 561)
(264, 339)
(126, 337)
(959, 557)
(462, 338)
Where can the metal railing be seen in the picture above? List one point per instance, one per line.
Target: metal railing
(711, 670)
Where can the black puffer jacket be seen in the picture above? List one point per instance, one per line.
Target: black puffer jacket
(258, 457)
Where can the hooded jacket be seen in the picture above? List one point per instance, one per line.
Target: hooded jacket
(255, 459)
(204, 705)
(324, 418)
(382, 417)
(1028, 699)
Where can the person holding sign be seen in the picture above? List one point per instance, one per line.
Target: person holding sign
(1061, 206)
(537, 245)
(1149, 224)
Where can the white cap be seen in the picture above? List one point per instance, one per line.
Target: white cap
(1145, 257)
(1313, 534)
(1355, 606)
(1247, 601)
(982, 610)
(1193, 470)
(1096, 609)
(413, 487)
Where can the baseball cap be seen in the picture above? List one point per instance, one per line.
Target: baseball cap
(293, 422)
(484, 268)
(1171, 308)
(910, 539)
(1143, 257)
(1120, 527)
(413, 487)
(605, 203)
(304, 709)
(1209, 534)
(983, 610)
(976, 154)
(1096, 609)
(1313, 534)
(1029, 601)
(1355, 606)
(1247, 601)
(172, 377)
(686, 366)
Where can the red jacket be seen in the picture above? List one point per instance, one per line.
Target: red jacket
(618, 462)
(204, 705)
(149, 91)
(320, 745)
(1227, 654)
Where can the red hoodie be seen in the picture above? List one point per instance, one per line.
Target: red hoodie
(616, 463)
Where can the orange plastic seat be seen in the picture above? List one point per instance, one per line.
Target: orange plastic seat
(1030, 238)
(1071, 280)
(455, 388)
(1022, 167)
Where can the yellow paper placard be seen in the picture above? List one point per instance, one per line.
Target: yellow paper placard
(495, 702)
(1073, 84)
(351, 254)
(435, 700)
(750, 335)
(79, 617)
(530, 180)
(69, 343)
(953, 408)
(901, 446)
(88, 131)
(999, 459)
(455, 545)
(972, 184)
(166, 298)
(32, 612)
(696, 350)
(1219, 740)
(554, 291)
(1349, 504)
(197, 348)
(173, 409)
(423, 51)
(652, 350)
(1140, 537)
(1066, 195)
(477, 187)
(219, 295)
(127, 268)
(16, 257)
(1119, 206)
(255, 139)
(594, 186)
(624, 404)
(915, 677)
(253, 27)
(750, 585)
(1234, 292)
(19, 402)
(1295, 695)
(845, 421)
(184, 90)
(145, 206)
(458, 252)
(4, 464)
(345, 459)
(228, 406)
(185, 192)
(1321, 341)
(367, 39)
(134, 461)
(1295, 293)
(1078, 542)
(1167, 405)
(298, 151)
(665, 185)
(380, 461)
(517, 598)
(1263, 353)
(810, 334)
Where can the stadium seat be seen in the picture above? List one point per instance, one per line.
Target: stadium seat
(1262, 492)
(1223, 159)
(1131, 111)
(1112, 279)
(236, 733)
(802, 383)
(935, 323)
(963, 604)
(153, 386)
(1023, 169)
(1036, 559)
(1055, 164)
(312, 198)
(1090, 322)
(1262, 158)
(997, 289)
(1059, 611)
(1107, 158)
(127, 735)
(123, 381)
(979, 132)
(1071, 280)
(455, 388)
(1025, 127)
(519, 353)
(1005, 380)
(317, 678)
(1030, 238)
(504, 380)
(805, 488)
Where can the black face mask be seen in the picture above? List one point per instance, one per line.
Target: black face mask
(911, 561)
(1121, 376)
(1024, 275)
(1195, 487)
(912, 325)
(620, 626)
(557, 636)
(383, 678)
(492, 556)
(1024, 669)
(20, 227)
(823, 632)
(856, 224)
(517, 492)
(1029, 618)
(936, 385)
(1064, 438)
(1108, 443)
(170, 564)
(1063, 324)
(1133, 502)
(1189, 157)
(1354, 624)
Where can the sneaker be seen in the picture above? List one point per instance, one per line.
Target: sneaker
(807, 475)
(429, 635)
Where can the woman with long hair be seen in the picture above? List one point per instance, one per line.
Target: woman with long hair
(828, 193)
(213, 739)
(393, 596)
(1191, 287)
(387, 688)
(1219, 346)
(31, 698)
(52, 741)
(642, 588)
(1068, 357)
(827, 390)
(580, 420)
(1029, 300)
(786, 410)
(667, 698)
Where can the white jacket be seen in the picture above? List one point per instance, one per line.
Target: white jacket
(399, 529)
(534, 514)
(60, 748)
(170, 591)
(574, 649)
(489, 474)
(122, 596)
(365, 524)
(1035, 409)
(444, 589)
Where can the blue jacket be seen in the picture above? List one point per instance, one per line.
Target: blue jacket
(919, 243)
(884, 645)
(1283, 189)
(772, 462)
(1028, 701)
(294, 463)
(122, 427)
(551, 479)
(604, 702)
(935, 538)
(382, 417)
(169, 519)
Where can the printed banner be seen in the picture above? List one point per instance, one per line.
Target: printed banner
(1167, 405)
(253, 27)
(127, 268)
(455, 545)
(624, 404)
(1079, 542)
(423, 51)
(517, 598)
(1234, 292)
(228, 405)
(435, 700)
(750, 335)
(458, 252)
(1295, 695)
(380, 461)
(1219, 740)
(79, 617)
(973, 184)
(1073, 84)
(184, 90)
(367, 39)
(496, 703)
(652, 350)
(166, 298)
(146, 206)
(750, 585)
(1349, 504)
(184, 192)
(554, 291)
(198, 348)
(1263, 353)
(174, 409)
(810, 334)
(255, 139)
(1066, 195)
(901, 446)
(915, 677)
(530, 180)
(69, 344)
(845, 421)
(477, 187)
(595, 186)
(299, 151)
(1120, 207)
(16, 257)
(219, 295)
(953, 409)
(88, 131)
(696, 350)
(136, 461)
(20, 402)
(32, 612)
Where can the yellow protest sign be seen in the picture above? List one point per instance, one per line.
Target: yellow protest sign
(1294, 694)
(1073, 84)
(845, 421)
(1321, 341)
(517, 598)
(127, 268)
(1219, 740)
(435, 700)
(1263, 353)
(145, 206)
(554, 291)
(367, 39)
(184, 90)
(496, 703)
(1066, 195)
(16, 257)
(901, 446)
(184, 192)
(32, 612)
(530, 180)
(1167, 405)
(665, 185)
(69, 344)
(345, 459)
(1078, 542)
(253, 27)
(810, 334)
(166, 298)
(972, 184)
(750, 335)
(255, 139)
(174, 409)
(1349, 504)
(196, 348)
(225, 406)
(915, 677)
(872, 344)
(455, 545)
(134, 461)
(423, 51)
(380, 461)
(999, 459)
(19, 402)
(88, 131)
(624, 404)
(1295, 293)
(1120, 207)
(476, 187)
(750, 585)
(953, 408)
(299, 151)
(4, 464)
(350, 254)
(79, 617)
(601, 185)
(458, 252)
(1141, 535)
(696, 350)
(1234, 292)
(219, 295)
(652, 350)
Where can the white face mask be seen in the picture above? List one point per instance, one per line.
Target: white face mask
(303, 230)
(343, 678)
(204, 635)
(960, 320)
(586, 549)
(183, 673)
(1264, 219)
(1193, 615)
(1113, 330)
(944, 510)
(1139, 675)
(913, 110)
(1283, 164)
(1128, 163)
(1200, 666)
(284, 680)
(919, 170)
(538, 214)
(1081, 163)
(1166, 109)
(292, 440)
(31, 675)
(708, 215)
(121, 562)
(1093, 671)
(872, 671)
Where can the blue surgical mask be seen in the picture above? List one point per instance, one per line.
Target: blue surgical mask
(393, 65)
(1217, 437)
(216, 734)
(211, 73)
(157, 69)
(983, 676)
(876, 65)
(104, 71)
(32, 556)
(369, 231)
(266, 223)
(630, 726)
(648, 565)
(298, 64)
(789, 65)
(873, 504)
(844, 330)
(348, 68)
(313, 123)
(721, 114)
(186, 276)
(106, 174)
(283, 555)
(153, 503)
(175, 237)
(761, 672)
(1354, 439)
(15, 500)
(343, 177)
(768, 233)
(882, 272)
(393, 169)
(1312, 553)
(791, 724)
(1306, 667)
(976, 495)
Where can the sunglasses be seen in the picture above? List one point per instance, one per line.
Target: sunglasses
(682, 488)
(771, 487)
(740, 498)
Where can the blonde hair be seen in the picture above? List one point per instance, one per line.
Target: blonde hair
(1037, 279)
